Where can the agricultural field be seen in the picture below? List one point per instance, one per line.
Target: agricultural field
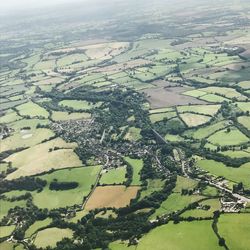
(50, 236)
(240, 230)
(136, 165)
(180, 236)
(113, 176)
(43, 157)
(111, 196)
(130, 132)
(84, 176)
(236, 175)
(64, 116)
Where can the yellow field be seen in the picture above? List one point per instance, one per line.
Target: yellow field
(38, 159)
(111, 196)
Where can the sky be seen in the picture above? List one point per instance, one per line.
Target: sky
(13, 5)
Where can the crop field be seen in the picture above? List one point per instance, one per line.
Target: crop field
(39, 158)
(64, 116)
(36, 226)
(114, 176)
(137, 165)
(193, 120)
(241, 174)
(167, 97)
(223, 137)
(180, 236)
(50, 236)
(111, 196)
(84, 176)
(78, 105)
(234, 227)
(33, 110)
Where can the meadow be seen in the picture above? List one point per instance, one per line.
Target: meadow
(113, 176)
(137, 165)
(180, 236)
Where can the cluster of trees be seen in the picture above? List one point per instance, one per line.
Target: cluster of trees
(55, 185)
(22, 183)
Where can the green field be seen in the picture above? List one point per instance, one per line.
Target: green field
(201, 109)
(185, 235)
(154, 185)
(43, 157)
(162, 116)
(37, 225)
(235, 228)
(6, 230)
(113, 176)
(64, 116)
(25, 138)
(213, 98)
(224, 138)
(244, 106)
(137, 165)
(133, 134)
(214, 205)
(50, 236)
(7, 205)
(84, 176)
(193, 120)
(79, 105)
(245, 121)
(206, 131)
(241, 174)
(175, 202)
(33, 110)
(9, 117)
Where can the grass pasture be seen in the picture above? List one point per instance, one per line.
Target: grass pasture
(224, 138)
(39, 158)
(214, 205)
(37, 225)
(244, 106)
(193, 120)
(201, 109)
(175, 202)
(154, 185)
(78, 105)
(137, 165)
(64, 116)
(6, 230)
(180, 236)
(113, 176)
(10, 116)
(133, 134)
(208, 130)
(7, 205)
(213, 98)
(245, 121)
(235, 228)
(33, 110)
(50, 236)
(111, 196)
(25, 138)
(162, 116)
(84, 176)
(241, 174)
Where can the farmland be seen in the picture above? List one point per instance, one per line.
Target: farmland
(125, 126)
(111, 196)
